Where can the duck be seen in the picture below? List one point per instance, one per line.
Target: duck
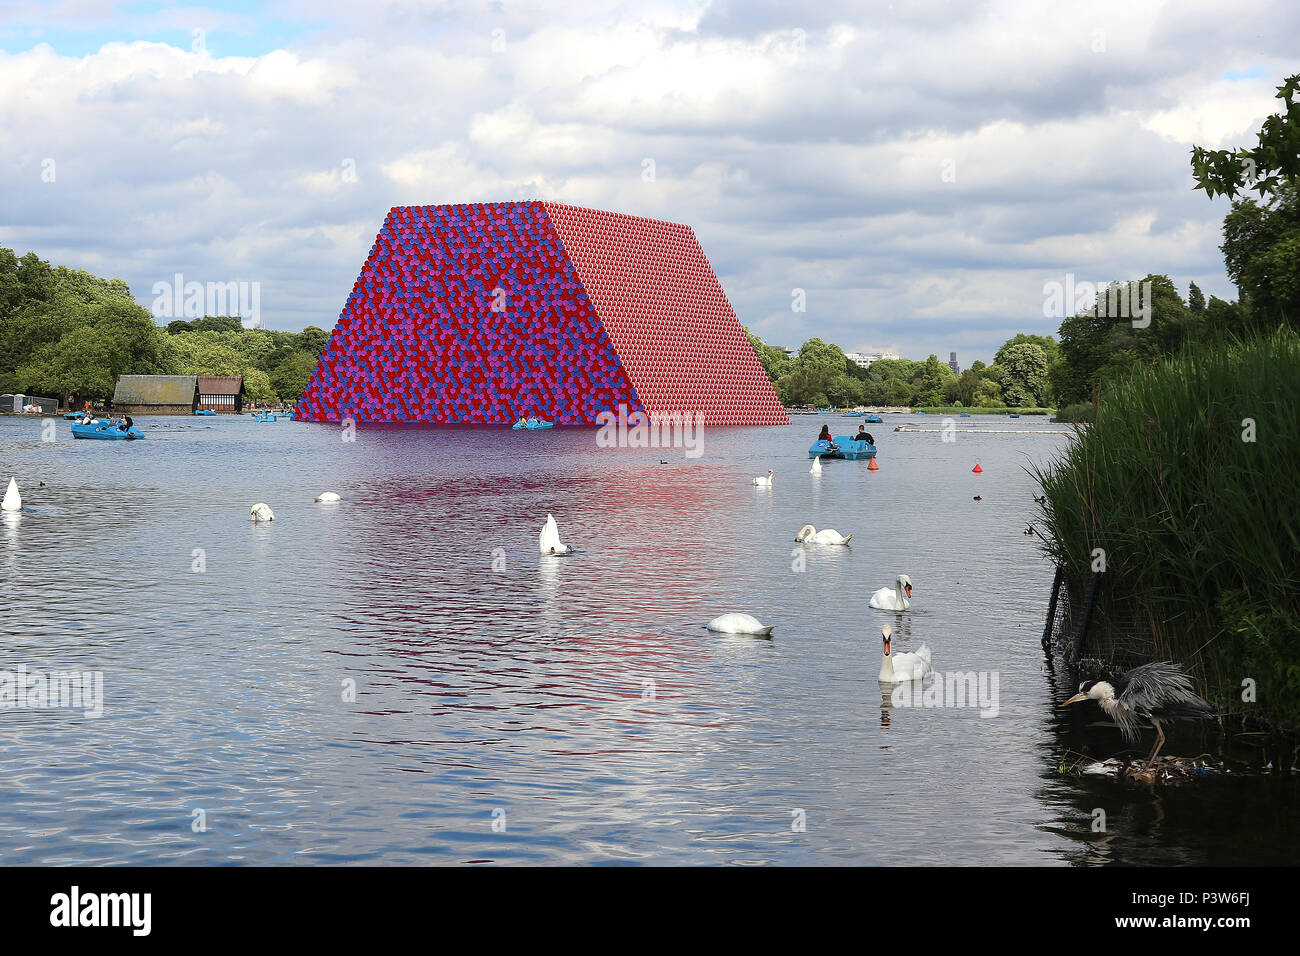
(761, 480)
(895, 598)
(548, 542)
(895, 668)
(977, 498)
(816, 468)
(735, 623)
(328, 496)
(261, 512)
(13, 501)
(810, 535)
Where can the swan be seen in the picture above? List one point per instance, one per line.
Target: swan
(548, 542)
(816, 468)
(810, 535)
(13, 501)
(901, 667)
(261, 512)
(740, 624)
(760, 480)
(328, 496)
(895, 598)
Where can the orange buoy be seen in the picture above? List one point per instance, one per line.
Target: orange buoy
(872, 466)
(977, 469)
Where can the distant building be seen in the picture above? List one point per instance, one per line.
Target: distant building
(952, 363)
(17, 402)
(222, 393)
(157, 394)
(864, 359)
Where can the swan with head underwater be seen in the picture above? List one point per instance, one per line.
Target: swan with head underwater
(810, 535)
(816, 468)
(895, 598)
(895, 668)
(548, 542)
(740, 624)
(764, 480)
(13, 501)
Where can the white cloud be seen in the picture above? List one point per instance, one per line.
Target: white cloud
(806, 146)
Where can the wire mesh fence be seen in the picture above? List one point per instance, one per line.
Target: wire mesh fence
(1093, 625)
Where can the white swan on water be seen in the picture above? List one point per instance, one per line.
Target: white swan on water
(810, 535)
(740, 624)
(261, 512)
(816, 469)
(895, 598)
(761, 480)
(13, 501)
(328, 496)
(901, 667)
(548, 542)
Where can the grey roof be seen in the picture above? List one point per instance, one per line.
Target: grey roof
(156, 390)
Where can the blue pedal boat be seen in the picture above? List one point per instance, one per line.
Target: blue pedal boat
(874, 420)
(846, 448)
(532, 425)
(107, 432)
(263, 418)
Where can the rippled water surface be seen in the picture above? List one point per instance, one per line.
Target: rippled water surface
(517, 708)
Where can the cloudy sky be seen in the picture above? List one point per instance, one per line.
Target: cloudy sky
(920, 169)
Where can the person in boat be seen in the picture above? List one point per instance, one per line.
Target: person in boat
(126, 424)
(826, 437)
(864, 435)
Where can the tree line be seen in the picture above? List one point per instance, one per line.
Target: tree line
(820, 374)
(67, 333)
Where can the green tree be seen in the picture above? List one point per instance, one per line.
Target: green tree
(218, 323)
(292, 377)
(1261, 250)
(930, 381)
(1026, 382)
(1195, 299)
(773, 360)
(257, 386)
(78, 363)
(1272, 162)
(314, 340)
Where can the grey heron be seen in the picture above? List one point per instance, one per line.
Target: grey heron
(1156, 692)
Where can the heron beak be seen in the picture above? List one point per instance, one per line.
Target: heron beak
(1075, 699)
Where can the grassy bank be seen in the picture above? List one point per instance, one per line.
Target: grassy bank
(1189, 480)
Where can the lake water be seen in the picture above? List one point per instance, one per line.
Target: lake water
(551, 710)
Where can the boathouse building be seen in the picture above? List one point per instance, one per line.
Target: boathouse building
(221, 393)
(156, 394)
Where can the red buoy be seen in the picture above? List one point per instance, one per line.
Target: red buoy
(872, 466)
(977, 469)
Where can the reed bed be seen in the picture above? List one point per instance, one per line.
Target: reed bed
(1189, 480)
